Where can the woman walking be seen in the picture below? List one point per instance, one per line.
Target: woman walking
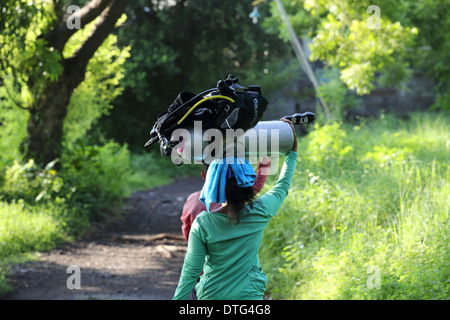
(224, 243)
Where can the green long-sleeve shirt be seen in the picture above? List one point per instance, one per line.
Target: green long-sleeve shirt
(228, 252)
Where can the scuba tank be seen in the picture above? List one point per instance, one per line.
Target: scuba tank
(266, 138)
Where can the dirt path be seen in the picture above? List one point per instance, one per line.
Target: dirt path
(137, 257)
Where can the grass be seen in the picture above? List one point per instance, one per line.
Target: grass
(369, 205)
(26, 229)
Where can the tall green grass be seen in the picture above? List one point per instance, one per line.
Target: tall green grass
(367, 216)
(26, 229)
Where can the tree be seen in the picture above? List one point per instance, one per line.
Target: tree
(354, 38)
(34, 39)
(382, 44)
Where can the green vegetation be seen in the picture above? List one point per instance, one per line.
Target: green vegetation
(365, 199)
(42, 208)
(411, 37)
(76, 106)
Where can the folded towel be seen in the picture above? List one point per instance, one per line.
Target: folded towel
(218, 172)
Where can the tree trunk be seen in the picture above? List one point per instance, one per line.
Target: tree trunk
(45, 124)
(47, 114)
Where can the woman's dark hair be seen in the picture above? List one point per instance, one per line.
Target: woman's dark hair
(237, 197)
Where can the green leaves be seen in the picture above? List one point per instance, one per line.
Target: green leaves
(370, 46)
(334, 92)
(344, 40)
(31, 183)
(24, 53)
(93, 97)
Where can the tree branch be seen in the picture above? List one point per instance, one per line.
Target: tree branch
(103, 27)
(60, 33)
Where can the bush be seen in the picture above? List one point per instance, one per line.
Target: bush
(96, 176)
(31, 183)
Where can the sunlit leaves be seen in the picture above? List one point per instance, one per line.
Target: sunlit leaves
(93, 97)
(344, 40)
(25, 54)
(345, 36)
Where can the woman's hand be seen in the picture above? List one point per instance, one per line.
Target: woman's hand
(294, 146)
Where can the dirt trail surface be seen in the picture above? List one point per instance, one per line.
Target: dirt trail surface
(136, 257)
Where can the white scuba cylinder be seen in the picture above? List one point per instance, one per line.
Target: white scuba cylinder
(267, 138)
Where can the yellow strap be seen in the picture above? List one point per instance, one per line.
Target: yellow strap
(200, 102)
(256, 2)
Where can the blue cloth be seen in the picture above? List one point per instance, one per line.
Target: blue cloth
(218, 172)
